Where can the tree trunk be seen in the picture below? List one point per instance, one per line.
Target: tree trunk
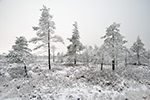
(138, 56)
(75, 61)
(25, 68)
(49, 56)
(102, 62)
(101, 66)
(126, 62)
(126, 59)
(113, 64)
(113, 61)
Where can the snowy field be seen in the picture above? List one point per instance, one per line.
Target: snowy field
(74, 82)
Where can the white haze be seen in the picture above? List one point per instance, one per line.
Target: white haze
(93, 16)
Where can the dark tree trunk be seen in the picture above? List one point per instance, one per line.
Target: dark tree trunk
(101, 66)
(113, 61)
(113, 64)
(102, 62)
(126, 62)
(126, 58)
(25, 69)
(75, 61)
(49, 55)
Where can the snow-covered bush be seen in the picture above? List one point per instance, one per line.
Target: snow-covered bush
(20, 53)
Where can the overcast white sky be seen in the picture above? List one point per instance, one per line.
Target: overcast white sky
(93, 16)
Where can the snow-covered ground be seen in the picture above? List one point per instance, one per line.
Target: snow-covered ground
(74, 82)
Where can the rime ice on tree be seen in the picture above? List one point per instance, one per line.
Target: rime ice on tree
(75, 45)
(138, 48)
(45, 32)
(114, 41)
(20, 53)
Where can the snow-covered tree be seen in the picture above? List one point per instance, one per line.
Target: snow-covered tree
(87, 54)
(126, 55)
(147, 55)
(45, 32)
(103, 55)
(138, 48)
(53, 52)
(96, 55)
(75, 46)
(114, 41)
(20, 53)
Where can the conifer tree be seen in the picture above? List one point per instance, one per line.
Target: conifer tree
(20, 53)
(75, 46)
(138, 48)
(114, 41)
(45, 32)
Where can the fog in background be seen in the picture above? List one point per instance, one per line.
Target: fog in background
(17, 17)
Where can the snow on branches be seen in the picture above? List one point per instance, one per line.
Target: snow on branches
(75, 46)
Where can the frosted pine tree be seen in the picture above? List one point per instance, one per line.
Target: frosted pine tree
(103, 55)
(20, 53)
(138, 48)
(45, 32)
(114, 41)
(75, 46)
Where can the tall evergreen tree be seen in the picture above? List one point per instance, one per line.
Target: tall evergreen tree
(114, 41)
(45, 32)
(138, 48)
(75, 45)
(20, 53)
